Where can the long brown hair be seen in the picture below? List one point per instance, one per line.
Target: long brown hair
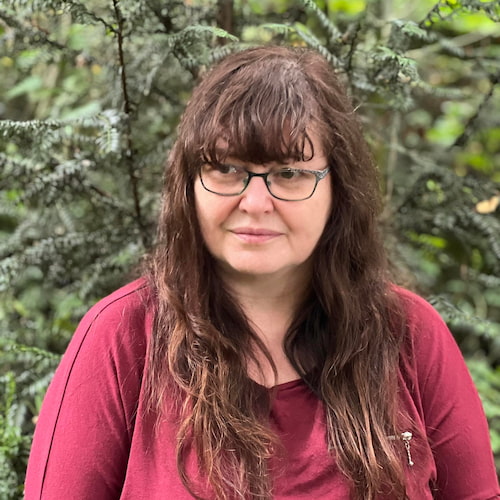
(342, 342)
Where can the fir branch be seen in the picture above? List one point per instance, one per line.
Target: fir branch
(162, 14)
(104, 198)
(15, 168)
(312, 41)
(487, 280)
(129, 152)
(63, 175)
(33, 178)
(331, 29)
(392, 159)
(219, 53)
(487, 226)
(280, 28)
(18, 238)
(306, 35)
(53, 131)
(182, 43)
(435, 15)
(33, 36)
(352, 46)
(168, 96)
(423, 168)
(69, 176)
(198, 30)
(453, 314)
(77, 9)
(34, 352)
(98, 272)
(462, 139)
(81, 13)
(9, 128)
(51, 253)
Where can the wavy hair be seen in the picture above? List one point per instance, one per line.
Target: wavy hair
(344, 341)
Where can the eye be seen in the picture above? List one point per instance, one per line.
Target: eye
(287, 174)
(224, 168)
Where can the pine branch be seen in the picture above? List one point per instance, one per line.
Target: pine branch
(46, 134)
(488, 227)
(35, 352)
(187, 34)
(331, 29)
(168, 96)
(311, 40)
(470, 125)
(52, 253)
(451, 313)
(429, 19)
(219, 53)
(76, 8)
(352, 46)
(82, 13)
(194, 37)
(34, 36)
(435, 15)
(392, 159)
(27, 128)
(163, 16)
(129, 153)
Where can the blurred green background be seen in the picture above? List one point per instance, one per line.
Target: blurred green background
(90, 95)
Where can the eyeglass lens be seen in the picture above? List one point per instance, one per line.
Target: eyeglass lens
(284, 183)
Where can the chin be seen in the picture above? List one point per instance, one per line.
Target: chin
(261, 268)
(255, 270)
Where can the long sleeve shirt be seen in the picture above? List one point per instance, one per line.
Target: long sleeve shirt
(96, 440)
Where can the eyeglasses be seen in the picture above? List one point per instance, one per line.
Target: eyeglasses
(283, 183)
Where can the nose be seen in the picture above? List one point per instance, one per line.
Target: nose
(256, 197)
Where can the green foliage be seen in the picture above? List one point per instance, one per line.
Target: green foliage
(90, 97)
(488, 384)
(12, 443)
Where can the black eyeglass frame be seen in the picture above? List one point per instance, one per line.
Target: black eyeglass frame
(319, 174)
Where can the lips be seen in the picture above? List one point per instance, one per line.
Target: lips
(255, 235)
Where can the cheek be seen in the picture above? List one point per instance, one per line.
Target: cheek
(202, 206)
(323, 207)
(317, 226)
(211, 210)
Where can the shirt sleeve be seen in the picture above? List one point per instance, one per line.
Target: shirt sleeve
(455, 423)
(83, 434)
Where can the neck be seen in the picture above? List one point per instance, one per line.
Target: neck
(268, 294)
(270, 304)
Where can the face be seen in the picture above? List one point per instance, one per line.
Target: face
(256, 234)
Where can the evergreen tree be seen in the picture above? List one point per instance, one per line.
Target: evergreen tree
(90, 96)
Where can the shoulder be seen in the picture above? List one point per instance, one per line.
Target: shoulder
(415, 307)
(115, 331)
(87, 419)
(440, 397)
(107, 351)
(429, 353)
(129, 308)
(429, 349)
(423, 324)
(129, 302)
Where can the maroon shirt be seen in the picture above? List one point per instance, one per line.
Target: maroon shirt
(93, 440)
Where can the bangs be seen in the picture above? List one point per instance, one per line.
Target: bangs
(257, 149)
(258, 116)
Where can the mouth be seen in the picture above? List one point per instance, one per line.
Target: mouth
(255, 235)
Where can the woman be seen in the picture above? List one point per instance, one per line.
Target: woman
(266, 355)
